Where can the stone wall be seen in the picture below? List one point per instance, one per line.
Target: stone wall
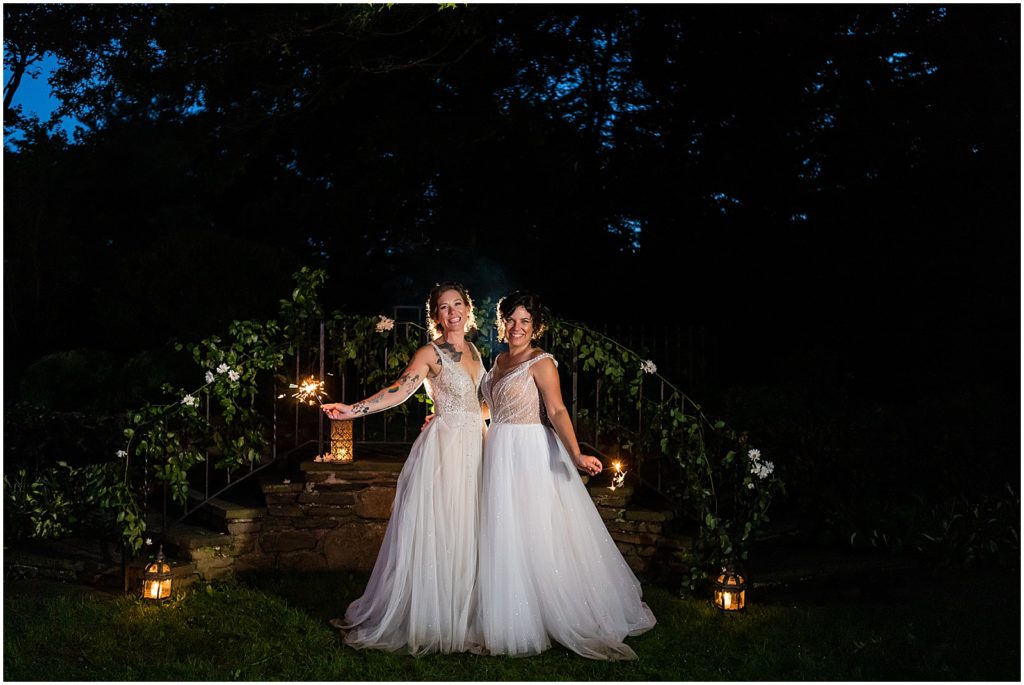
(336, 520)
(640, 533)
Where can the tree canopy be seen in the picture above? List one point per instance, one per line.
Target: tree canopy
(844, 169)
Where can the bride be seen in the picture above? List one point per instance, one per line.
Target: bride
(548, 567)
(420, 596)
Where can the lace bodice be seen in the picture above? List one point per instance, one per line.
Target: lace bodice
(454, 389)
(513, 397)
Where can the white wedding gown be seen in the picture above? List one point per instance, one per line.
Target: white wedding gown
(548, 567)
(421, 594)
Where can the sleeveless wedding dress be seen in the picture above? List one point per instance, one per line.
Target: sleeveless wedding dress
(421, 594)
(548, 567)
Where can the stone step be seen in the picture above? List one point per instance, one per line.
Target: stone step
(367, 471)
(89, 562)
(222, 515)
(77, 560)
(604, 496)
(209, 555)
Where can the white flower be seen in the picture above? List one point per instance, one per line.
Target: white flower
(121, 454)
(149, 541)
(754, 454)
(234, 375)
(318, 458)
(750, 485)
(385, 324)
(209, 376)
(648, 367)
(189, 401)
(223, 368)
(762, 469)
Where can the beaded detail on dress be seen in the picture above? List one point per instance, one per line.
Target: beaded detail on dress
(455, 390)
(514, 397)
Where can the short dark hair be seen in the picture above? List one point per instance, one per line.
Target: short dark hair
(528, 301)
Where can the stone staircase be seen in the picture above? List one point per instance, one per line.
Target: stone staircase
(334, 518)
(639, 532)
(221, 542)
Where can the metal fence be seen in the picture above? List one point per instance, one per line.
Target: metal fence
(683, 353)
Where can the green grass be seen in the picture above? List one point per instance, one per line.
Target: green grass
(273, 627)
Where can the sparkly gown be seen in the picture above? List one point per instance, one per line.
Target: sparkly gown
(421, 594)
(549, 570)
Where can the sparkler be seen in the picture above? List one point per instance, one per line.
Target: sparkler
(619, 477)
(309, 390)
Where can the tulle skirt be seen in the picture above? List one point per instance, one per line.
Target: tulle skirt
(549, 570)
(421, 594)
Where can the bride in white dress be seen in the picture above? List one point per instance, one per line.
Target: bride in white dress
(421, 594)
(549, 570)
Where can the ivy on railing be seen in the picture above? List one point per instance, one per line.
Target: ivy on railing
(219, 418)
(722, 483)
(162, 442)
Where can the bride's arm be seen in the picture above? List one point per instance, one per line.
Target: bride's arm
(419, 367)
(546, 376)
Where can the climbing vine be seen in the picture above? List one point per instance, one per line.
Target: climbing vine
(723, 483)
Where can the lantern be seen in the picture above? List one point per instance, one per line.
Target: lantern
(341, 442)
(156, 580)
(730, 590)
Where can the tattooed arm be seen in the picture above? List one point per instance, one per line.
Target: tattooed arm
(423, 363)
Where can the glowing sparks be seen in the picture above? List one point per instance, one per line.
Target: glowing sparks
(309, 390)
(618, 477)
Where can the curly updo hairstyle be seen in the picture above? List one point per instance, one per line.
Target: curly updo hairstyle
(528, 301)
(434, 327)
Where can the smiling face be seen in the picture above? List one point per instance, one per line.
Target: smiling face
(520, 312)
(519, 327)
(449, 308)
(452, 311)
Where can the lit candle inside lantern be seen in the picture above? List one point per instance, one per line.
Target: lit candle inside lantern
(730, 591)
(341, 441)
(156, 579)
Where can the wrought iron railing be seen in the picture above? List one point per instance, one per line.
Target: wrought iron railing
(586, 394)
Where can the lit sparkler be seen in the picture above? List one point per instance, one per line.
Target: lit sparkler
(309, 390)
(619, 477)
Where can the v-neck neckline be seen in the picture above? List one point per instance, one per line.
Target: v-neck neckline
(508, 372)
(459, 364)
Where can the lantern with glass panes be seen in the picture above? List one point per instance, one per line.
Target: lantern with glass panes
(156, 579)
(730, 590)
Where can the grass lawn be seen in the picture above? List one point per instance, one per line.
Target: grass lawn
(274, 627)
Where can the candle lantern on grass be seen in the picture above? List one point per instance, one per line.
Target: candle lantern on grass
(156, 580)
(730, 591)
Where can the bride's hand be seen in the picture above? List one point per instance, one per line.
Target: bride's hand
(427, 419)
(587, 464)
(338, 411)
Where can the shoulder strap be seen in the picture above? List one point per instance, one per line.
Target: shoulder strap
(546, 355)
